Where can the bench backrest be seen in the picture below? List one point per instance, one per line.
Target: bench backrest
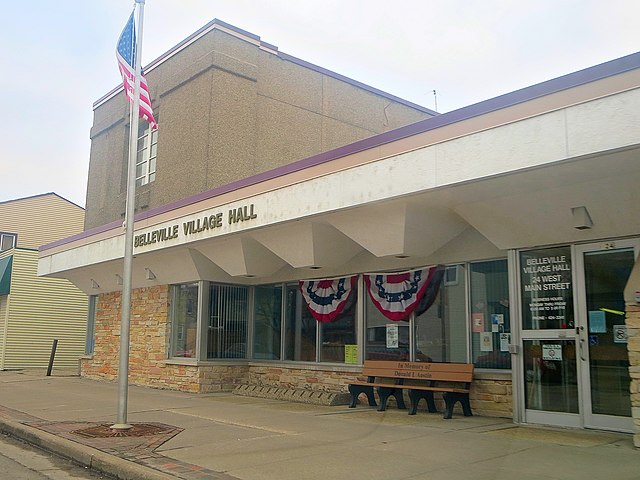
(444, 372)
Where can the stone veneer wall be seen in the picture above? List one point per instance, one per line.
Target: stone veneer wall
(149, 337)
(633, 345)
(148, 365)
(491, 394)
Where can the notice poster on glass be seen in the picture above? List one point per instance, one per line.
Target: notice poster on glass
(351, 354)
(392, 336)
(505, 340)
(486, 342)
(546, 285)
(478, 322)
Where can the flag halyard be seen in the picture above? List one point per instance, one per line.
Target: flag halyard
(126, 54)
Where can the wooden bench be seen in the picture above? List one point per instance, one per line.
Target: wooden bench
(422, 379)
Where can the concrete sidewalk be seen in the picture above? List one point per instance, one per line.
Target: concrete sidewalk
(224, 436)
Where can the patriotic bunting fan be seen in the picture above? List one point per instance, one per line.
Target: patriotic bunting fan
(396, 295)
(326, 299)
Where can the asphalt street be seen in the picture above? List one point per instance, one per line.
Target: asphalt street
(20, 461)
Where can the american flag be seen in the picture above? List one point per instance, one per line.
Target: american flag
(126, 54)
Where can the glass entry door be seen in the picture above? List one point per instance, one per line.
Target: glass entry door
(575, 367)
(602, 334)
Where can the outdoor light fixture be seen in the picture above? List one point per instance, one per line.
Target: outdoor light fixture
(94, 284)
(118, 279)
(315, 267)
(581, 218)
(150, 274)
(402, 256)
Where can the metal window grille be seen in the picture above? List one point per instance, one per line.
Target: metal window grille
(228, 322)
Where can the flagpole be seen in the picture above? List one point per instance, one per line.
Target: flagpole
(125, 323)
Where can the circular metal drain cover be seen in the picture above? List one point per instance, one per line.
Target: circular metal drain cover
(137, 430)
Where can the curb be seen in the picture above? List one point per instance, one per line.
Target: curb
(81, 454)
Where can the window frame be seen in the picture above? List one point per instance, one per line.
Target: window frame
(144, 155)
(14, 242)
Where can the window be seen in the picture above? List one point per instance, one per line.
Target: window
(147, 152)
(184, 320)
(301, 328)
(490, 321)
(7, 241)
(385, 340)
(546, 288)
(91, 325)
(334, 336)
(441, 332)
(228, 321)
(267, 322)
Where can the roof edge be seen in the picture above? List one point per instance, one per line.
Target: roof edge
(571, 80)
(245, 35)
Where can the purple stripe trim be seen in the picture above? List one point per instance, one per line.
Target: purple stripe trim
(282, 55)
(588, 75)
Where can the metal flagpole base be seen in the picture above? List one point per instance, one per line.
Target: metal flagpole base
(121, 426)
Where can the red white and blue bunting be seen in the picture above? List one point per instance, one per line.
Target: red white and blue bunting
(396, 295)
(326, 299)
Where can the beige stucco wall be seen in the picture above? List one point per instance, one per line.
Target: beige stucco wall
(227, 110)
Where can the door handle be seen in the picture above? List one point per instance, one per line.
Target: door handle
(579, 331)
(582, 350)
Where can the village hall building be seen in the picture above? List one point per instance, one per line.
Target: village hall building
(517, 214)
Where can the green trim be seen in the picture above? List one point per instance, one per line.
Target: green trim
(5, 275)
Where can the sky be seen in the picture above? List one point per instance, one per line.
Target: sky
(58, 58)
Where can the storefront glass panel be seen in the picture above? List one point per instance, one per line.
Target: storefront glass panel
(490, 319)
(336, 335)
(184, 321)
(300, 328)
(605, 275)
(385, 340)
(228, 320)
(267, 322)
(546, 289)
(551, 381)
(441, 332)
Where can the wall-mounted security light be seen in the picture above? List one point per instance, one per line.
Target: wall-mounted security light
(118, 279)
(150, 275)
(581, 218)
(94, 284)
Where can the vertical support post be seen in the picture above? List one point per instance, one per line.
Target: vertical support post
(52, 356)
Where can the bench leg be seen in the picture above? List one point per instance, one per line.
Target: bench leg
(356, 390)
(384, 393)
(416, 395)
(398, 394)
(450, 400)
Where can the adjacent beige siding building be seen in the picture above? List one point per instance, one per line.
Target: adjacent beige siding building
(34, 310)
